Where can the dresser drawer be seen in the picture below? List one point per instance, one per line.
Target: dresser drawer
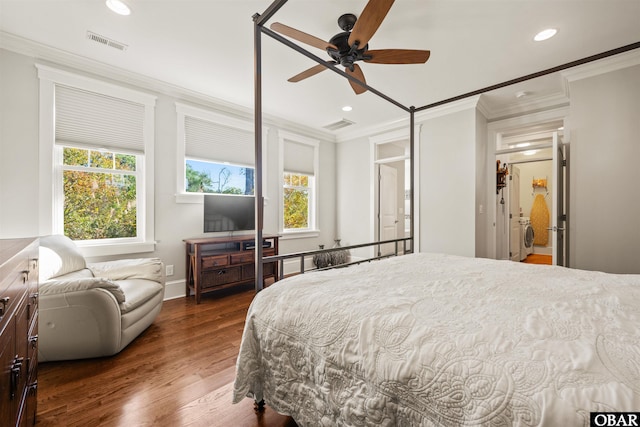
(13, 286)
(214, 261)
(222, 276)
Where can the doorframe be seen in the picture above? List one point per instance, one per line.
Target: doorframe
(402, 134)
(495, 130)
(379, 222)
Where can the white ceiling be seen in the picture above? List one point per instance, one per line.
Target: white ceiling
(206, 46)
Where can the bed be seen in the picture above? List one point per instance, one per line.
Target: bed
(442, 340)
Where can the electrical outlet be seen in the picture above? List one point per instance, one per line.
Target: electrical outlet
(168, 270)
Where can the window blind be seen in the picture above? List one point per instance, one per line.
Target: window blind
(298, 158)
(87, 118)
(206, 140)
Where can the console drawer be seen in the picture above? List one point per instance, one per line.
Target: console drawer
(222, 276)
(242, 257)
(214, 261)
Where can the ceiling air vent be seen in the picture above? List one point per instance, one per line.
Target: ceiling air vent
(339, 124)
(106, 41)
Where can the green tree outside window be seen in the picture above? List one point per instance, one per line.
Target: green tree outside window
(296, 201)
(99, 195)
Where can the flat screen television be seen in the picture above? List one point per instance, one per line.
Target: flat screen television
(228, 213)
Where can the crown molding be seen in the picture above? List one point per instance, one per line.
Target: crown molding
(67, 61)
(420, 116)
(602, 66)
(533, 104)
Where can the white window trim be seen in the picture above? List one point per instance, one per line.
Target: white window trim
(50, 211)
(313, 231)
(184, 110)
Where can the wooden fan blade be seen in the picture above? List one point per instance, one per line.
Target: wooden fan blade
(369, 21)
(301, 36)
(398, 56)
(358, 74)
(308, 73)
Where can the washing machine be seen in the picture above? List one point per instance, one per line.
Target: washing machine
(526, 237)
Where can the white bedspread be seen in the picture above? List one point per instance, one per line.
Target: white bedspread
(437, 340)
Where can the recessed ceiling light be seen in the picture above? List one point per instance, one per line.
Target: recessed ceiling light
(347, 108)
(545, 34)
(119, 7)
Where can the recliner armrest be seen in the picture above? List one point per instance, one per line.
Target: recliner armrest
(63, 286)
(122, 269)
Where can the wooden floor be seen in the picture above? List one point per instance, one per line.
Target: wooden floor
(179, 372)
(538, 259)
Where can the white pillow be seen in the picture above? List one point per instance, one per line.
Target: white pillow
(58, 256)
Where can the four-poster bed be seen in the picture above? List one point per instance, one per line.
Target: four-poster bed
(432, 339)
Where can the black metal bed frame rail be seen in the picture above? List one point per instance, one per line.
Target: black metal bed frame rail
(305, 254)
(259, 29)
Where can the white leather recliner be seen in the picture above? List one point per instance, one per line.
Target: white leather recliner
(93, 309)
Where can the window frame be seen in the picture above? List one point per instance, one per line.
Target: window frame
(137, 173)
(313, 229)
(310, 189)
(50, 163)
(184, 110)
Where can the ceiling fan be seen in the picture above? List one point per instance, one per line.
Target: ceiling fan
(350, 46)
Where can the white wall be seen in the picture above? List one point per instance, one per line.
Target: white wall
(448, 163)
(19, 174)
(482, 171)
(18, 146)
(605, 146)
(354, 194)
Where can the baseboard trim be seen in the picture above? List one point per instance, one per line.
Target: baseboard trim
(174, 289)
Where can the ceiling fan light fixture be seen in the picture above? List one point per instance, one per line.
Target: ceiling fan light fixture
(545, 34)
(119, 7)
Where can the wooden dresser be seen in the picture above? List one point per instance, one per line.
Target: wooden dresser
(18, 331)
(216, 263)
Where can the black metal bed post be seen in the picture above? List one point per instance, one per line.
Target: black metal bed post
(412, 208)
(259, 208)
(258, 21)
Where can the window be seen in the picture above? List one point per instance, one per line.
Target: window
(216, 154)
(299, 171)
(221, 178)
(100, 194)
(96, 163)
(298, 192)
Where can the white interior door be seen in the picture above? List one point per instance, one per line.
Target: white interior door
(388, 207)
(514, 214)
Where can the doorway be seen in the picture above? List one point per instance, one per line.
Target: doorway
(535, 204)
(392, 207)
